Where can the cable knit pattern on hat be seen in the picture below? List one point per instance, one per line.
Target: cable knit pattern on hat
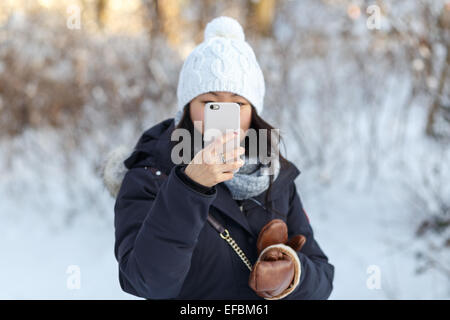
(224, 61)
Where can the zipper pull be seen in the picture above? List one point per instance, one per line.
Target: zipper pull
(243, 211)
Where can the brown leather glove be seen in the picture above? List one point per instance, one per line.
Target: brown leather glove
(276, 273)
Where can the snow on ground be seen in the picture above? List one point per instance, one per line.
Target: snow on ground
(55, 214)
(358, 229)
(36, 261)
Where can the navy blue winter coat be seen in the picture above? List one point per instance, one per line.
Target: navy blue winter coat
(166, 249)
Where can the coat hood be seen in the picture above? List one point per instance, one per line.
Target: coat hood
(148, 151)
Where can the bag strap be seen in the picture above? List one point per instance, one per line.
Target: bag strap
(224, 233)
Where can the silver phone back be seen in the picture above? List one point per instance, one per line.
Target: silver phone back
(222, 117)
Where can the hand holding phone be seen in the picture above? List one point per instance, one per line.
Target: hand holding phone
(220, 118)
(204, 167)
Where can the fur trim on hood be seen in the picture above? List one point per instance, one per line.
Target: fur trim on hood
(114, 170)
(152, 149)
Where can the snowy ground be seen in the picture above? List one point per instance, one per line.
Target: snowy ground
(36, 260)
(358, 229)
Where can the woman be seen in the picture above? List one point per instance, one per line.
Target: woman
(165, 247)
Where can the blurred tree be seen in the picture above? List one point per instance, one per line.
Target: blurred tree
(163, 18)
(101, 11)
(261, 16)
(205, 14)
(438, 105)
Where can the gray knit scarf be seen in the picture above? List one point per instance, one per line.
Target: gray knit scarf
(253, 177)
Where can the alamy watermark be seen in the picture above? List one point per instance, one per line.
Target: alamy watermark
(374, 19)
(373, 281)
(74, 19)
(73, 281)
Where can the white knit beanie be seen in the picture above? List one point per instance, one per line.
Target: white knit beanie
(224, 61)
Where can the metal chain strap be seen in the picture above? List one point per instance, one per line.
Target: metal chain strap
(236, 248)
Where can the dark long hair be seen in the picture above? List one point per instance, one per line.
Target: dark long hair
(256, 123)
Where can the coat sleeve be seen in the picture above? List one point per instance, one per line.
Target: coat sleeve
(316, 278)
(157, 225)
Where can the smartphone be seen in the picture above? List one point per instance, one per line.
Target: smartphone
(219, 117)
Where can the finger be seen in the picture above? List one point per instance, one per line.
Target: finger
(234, 154)
(215, 159)
(231, 166)
(212, 156)
(217, 145)
(226, 176)
(208, 157)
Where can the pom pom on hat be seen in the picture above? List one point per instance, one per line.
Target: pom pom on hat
(225, 27)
